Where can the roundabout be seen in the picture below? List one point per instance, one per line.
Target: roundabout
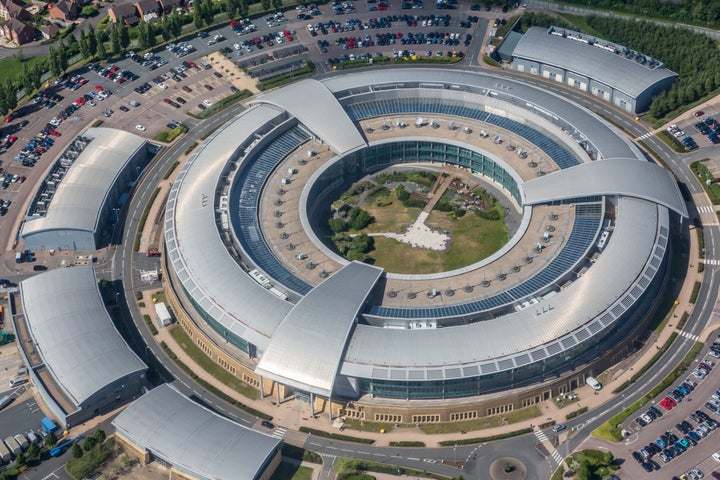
(358, 341)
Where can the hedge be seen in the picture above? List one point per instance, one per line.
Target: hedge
(190, 148)
(143, 219)
(407, 444)
(170, 170)
(647, 366)
(575, 413)
(168, 136)
(221, 104)
(470, 441)
(336, 436)
(695, 292)
(150, 324)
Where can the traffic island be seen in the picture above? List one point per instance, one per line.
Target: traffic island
(508, 468)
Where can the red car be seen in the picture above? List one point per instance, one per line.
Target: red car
(80, 101)
(668, 403)
(12, 140)
(82, 80)
(55, 133)
(99, 88)
(186, 88)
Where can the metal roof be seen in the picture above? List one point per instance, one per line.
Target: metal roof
(608, 140)
(616, 176)
(73, 332)
(612, 69)
(315, 106)
(203, 264)
(307, 347)
(388, 353)
(81, 194)
(194, 439)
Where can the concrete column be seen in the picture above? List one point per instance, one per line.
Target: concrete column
(312, 404)
(262, 387)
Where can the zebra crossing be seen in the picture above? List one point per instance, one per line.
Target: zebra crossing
(540, 435)
(712, 261)
(279, 432)
(689, 335)
(706, 209)
(645, 136)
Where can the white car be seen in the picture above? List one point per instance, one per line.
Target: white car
(207, 103)
(236, 46)
(140, 127)
(716, 456)
(162, 86)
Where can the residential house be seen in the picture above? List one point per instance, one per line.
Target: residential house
(148, 10)
(18, 31)
(11, 9)
(65, 10)
(49, 31)
(126, 11)
(169, 5)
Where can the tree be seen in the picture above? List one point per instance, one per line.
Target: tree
(51, 439)
(175, 25)
(115, 40)
(63, 55)
(77, 450)
(402, 193)
(89, 443)
(54, 62)
(277, 4)
(26, 79)
(84, 45)
(35, 76)
(92, 41)
(358, 219)
(337, 225)
(20, 459)
(100, 51)
(89, 10)
(33, 451)
(124, 35)
(265, 4)
(100, 435)
(197, 15)
(166, 29)
(363, 243)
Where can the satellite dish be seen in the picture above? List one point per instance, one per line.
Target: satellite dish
(418, 121)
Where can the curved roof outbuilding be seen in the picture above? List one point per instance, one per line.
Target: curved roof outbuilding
(194, 439)
(74, 334)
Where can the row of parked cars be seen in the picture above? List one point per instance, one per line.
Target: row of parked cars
(38, 145)
(710, 128)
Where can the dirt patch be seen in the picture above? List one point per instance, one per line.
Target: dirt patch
(125, 467)
(240, 80)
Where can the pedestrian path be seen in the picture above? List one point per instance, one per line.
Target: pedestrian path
(541, 436)
(689, 335)
(706, 209)
(712, 261)
(279, 432)
(644, 137)
(554, 454)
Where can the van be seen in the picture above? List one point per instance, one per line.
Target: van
(593, 383)
(22, 370)
(17, 382)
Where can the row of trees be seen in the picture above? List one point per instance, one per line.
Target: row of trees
(698, 12)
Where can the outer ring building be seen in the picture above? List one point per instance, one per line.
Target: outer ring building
(532, 319)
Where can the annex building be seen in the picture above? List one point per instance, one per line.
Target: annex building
(626, 78)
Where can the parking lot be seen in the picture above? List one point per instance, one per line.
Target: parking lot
(676, 435)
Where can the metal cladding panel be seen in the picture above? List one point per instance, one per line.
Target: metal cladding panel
(80, 196)
(203, 443)
(627, 76)
(73, 332)
(203, 263)
(315, 106)
(308, 345)
(623, 259)
(616, 176)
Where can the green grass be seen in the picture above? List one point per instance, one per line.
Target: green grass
(207, 364)
(347, 467)
(683, 320)
(307, 71)
(143, 219)
(12, 67)
(491, 438)
(365, 426)
(96, 123)
(170, 170)
(695, 292)
(221, 105)
(481, 423)
(168, 136)
(287, 471)
(211, 388)
(473, 238)
(702, 174)
(82, 467)
(336, 436)
(610, 430)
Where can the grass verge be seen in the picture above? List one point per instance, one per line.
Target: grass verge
(486, 422)
(695, 292)
(299, 453)
(704, 176)
(637, 375)
(143, 219)
(168, 136)
(610, 430)
(221, 105)
(307, 71)
(346, 467)
(170, 170)
(501, 436)
(336, 436)
(288, 471)
(83, 467)
(207, 386)
(207, 364)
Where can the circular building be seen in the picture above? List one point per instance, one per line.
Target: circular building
(256, 286)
